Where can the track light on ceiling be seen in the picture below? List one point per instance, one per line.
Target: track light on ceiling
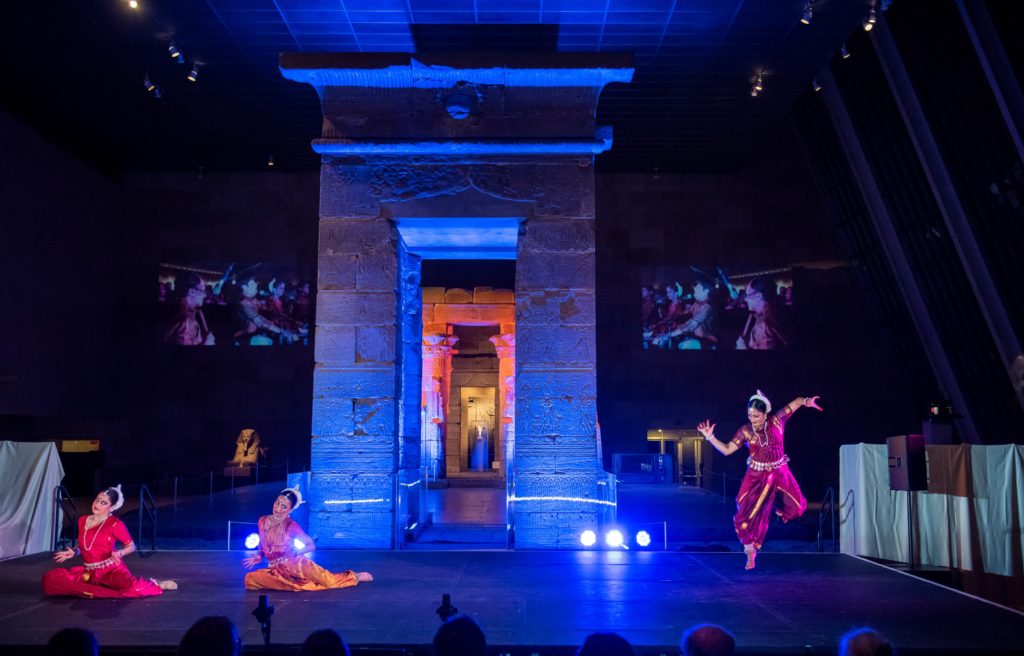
(869, 22)
(758, 86)
(148, 84)
(816, 85)
(173, 51)
(808, 13)
(844, 53)
(193, 75)
(270, 160)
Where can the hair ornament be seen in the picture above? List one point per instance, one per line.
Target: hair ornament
(120, 497)
(763, 399)
(298, 495)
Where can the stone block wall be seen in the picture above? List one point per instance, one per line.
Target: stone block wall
(365, 429)
(557, 459)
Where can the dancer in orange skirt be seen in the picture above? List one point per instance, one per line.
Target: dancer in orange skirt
(286, 567)
(104, 573)
(768, 482)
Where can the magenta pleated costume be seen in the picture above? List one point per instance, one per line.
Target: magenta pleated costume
(768, 486)
(101, 576)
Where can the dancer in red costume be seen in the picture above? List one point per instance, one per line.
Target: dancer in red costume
(768, 482)
(104, 573)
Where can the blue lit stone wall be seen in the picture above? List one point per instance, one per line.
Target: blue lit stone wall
(360, 372)
(557, 455)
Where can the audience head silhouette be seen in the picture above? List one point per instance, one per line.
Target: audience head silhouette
(324, 642)
(865, 642)
(605, 643)
(707, 640)
(213, 635)
(460, 636)
(73, 642)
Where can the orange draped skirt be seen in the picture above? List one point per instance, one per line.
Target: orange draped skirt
(298, 574)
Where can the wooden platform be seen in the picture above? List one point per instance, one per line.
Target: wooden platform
(792, 603)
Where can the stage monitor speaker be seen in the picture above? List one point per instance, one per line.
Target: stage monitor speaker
(908, 469)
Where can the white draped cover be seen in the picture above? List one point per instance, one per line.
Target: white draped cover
(970, 518)
(29, 472)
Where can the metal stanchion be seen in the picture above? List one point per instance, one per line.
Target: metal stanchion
(211, 487)
(175, 492)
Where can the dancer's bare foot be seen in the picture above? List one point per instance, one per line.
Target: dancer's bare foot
(167, 585)
(751, 555)
(364, 577)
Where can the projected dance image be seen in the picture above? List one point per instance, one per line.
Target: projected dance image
(708, 308)
(243, 306)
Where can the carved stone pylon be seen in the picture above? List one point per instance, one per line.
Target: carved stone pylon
(414, 146)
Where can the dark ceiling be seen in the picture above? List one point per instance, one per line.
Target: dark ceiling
(74, 70)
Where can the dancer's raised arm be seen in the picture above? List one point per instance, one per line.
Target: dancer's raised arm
(804, 402)
(707, 429)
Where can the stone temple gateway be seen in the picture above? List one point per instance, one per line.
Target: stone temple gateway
(448, 157)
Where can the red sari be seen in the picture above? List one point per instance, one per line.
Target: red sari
(768, 484)
(287, 571)
(101, 576)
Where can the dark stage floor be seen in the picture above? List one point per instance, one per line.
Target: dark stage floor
(792, 603)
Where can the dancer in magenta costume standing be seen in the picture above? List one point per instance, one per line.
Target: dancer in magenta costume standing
(104, 573)
(768, 484)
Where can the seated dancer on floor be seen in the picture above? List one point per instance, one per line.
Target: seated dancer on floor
(768, 481)
(104, 573)
(286, 567)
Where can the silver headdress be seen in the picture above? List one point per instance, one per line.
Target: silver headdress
(763, 399)
(298, 495)
(120, 497)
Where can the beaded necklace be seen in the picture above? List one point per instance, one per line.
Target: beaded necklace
(764, 430)
(85, 534)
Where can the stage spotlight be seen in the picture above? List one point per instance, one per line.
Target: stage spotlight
(173, 51)
(844, 53)
(817, 85)
(613, 538)
(148, 84)
(869, 22)
(270, 161)
(193, 75)
(808, 13)
(588, 538)
(643, 538)
(252, 541)
(133, 4)
(758, 86)
(298, 544)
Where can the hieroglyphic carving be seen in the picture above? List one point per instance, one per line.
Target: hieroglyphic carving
(557, 307)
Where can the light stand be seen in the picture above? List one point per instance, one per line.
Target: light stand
(446, 610)
(262, 614)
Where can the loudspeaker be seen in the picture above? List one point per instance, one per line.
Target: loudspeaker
(937, 431)
(908, 469)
